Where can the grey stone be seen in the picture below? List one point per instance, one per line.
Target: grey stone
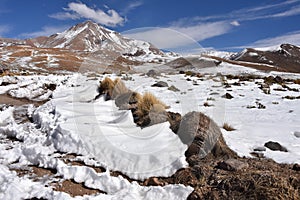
(160, 84)
(173, 88)
(152, 73)
(275, 146)
(232, 165)
(297, 134)
(259, 149)
(227, 96)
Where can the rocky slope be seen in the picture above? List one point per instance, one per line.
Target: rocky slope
(286, 57)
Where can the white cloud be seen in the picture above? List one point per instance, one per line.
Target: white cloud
(235, 23)
(204, 31)
(292, 38)
(46, 31)
(293, 11)
(80, 10)
(163, 38)
(131, 6)
(283, 9)
(64, 16)
(4, 29)
(180, 38)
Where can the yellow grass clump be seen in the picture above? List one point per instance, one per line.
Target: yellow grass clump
(149, 103)
(112, 88)
(119, 88)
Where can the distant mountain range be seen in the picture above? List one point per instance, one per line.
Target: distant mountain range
(83, 45)
(89, 46)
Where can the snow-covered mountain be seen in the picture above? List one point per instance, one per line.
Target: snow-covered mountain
(70, 49)
(90, 37)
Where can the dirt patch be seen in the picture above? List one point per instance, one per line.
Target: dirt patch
(9, 100)
(35, 172)
(41, 172)
(75, 189)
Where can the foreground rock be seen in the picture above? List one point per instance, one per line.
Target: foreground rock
(275, 146)
(203, 136)
(232, 165)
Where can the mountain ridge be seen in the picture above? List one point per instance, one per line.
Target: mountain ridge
(84, 41)
(107, 49)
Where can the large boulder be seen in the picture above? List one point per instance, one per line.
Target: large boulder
(203, 137)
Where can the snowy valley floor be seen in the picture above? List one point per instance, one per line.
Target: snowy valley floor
(58, 141)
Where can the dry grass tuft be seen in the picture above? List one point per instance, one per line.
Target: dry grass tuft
(136, 97)
(149, 103)
(227, 127)
(112, 88)
(297, 81)
(119, 88)
(106, 87)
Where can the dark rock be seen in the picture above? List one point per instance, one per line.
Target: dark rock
(297, 134)
(259, 149)
(278, 80)
(174, 120)
(232, 165)
(160, 84)
(4, 83)
(181, 72)
(124, 101)
(188, 79)
(50, 86)
(236, 84)
(260, 105)
(152, 73)
(275, 146)
(296, 167)
(227, 96)
(173, 88)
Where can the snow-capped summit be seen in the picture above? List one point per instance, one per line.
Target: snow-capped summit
(90, 37)
(84, 41)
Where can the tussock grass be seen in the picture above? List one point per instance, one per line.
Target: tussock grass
(119, 88)
(149, 103)
(112, 88)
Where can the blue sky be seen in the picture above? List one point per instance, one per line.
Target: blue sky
(223, 25)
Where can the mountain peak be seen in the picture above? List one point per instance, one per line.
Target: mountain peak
(85, 36)
(88, 24)
(89, 36)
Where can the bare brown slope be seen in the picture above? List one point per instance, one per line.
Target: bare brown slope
(286, 58)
